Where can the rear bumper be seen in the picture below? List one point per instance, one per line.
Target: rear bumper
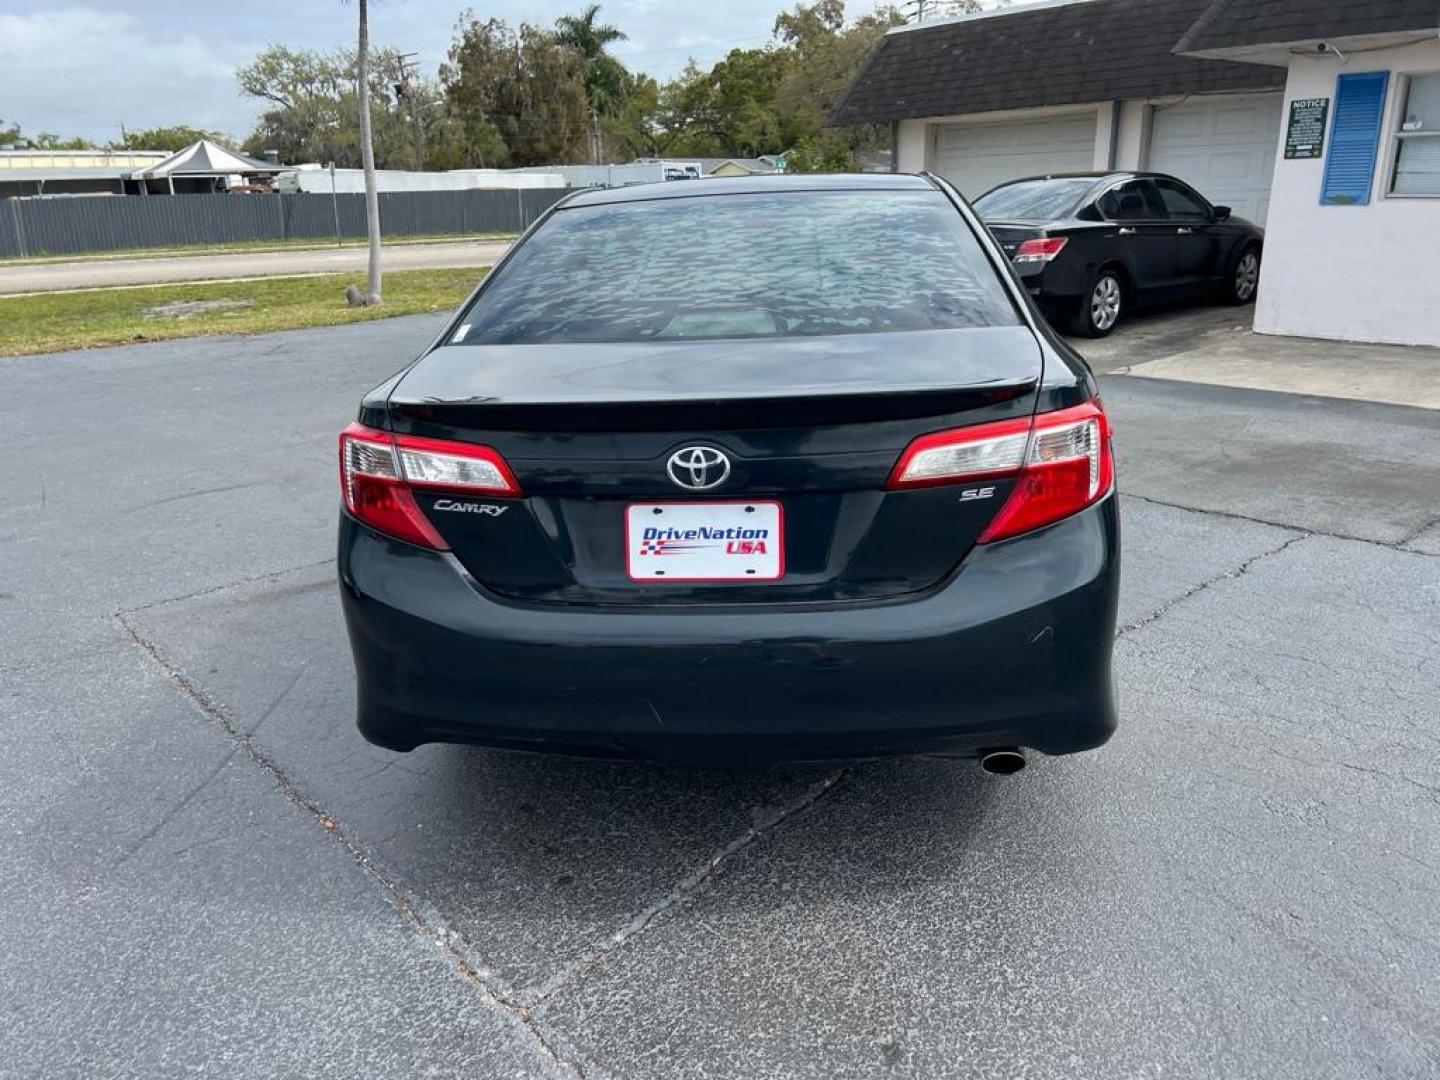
(1058, 284)
(1013, 649)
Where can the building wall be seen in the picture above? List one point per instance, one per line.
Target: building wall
(1353, 273)
(915, 142)
(1131, 139)
(80, 159)
(1134, 139)
(352, 181)
(1132, 136)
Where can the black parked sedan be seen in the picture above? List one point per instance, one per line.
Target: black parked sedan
(738, 471)
(1090, 246)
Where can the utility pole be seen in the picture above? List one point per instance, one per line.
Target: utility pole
(405, 92)
(922, 8)
(335, 203)
(367, 157)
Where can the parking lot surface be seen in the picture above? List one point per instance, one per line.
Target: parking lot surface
(209, 871)
(1215, 345)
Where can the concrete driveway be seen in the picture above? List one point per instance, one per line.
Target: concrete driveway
(106, 273)
(1216, 346)
(207, 871)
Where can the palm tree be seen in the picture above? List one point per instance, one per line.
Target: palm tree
(606, 80)
(367, 156)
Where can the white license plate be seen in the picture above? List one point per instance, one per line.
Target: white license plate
(709, 541)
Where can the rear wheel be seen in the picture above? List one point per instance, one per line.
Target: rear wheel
(1101, 307)
(1245, 278)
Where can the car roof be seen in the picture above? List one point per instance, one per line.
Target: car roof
(1116, 174)
(750, 185)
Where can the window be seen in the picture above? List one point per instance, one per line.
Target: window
(788, 264)
(1417, 153)
(1033, 200)
(1135, 200)
(1182, 203)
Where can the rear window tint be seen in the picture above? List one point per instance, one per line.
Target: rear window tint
(742, 266)
(1032, 200)
(1135, 200)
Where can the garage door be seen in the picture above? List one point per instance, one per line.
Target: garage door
(1223, 147)
(976, 157)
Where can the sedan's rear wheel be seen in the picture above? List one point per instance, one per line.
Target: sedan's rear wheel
(1246, 278)
(1100, 310)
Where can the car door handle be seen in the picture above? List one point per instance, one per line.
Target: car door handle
(1127, 232)
(1184, 230)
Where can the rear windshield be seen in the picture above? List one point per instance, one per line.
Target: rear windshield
(739, 266)
(1032, 200)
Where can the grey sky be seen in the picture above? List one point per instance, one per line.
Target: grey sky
(84, 68)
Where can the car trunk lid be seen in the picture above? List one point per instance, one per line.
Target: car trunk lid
(813, 424)
(1011, 234)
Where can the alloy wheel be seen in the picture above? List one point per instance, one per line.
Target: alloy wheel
(1247, 276)
(1105, 303)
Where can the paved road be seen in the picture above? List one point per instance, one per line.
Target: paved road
(206, 871)
(98, 273)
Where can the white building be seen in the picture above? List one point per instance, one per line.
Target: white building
(315, 179)
(71, 172)
(1203, 90)
(1347, 250)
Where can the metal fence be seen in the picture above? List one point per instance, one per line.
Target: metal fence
(70, 226)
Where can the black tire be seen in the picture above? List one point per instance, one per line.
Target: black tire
(1102, 305)
(1243, 281)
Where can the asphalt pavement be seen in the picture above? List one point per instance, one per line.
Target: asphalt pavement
(57, 275)
(208, 871)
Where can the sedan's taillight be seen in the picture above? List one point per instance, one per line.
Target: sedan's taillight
(378, 470)
(1041, 250)
(1062, 462)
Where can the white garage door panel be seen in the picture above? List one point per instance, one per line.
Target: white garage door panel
(1224, 148)
(977, 157)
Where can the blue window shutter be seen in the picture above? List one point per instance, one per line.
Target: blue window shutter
(1354, 138)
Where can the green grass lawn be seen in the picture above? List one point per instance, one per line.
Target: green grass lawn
(52, 322)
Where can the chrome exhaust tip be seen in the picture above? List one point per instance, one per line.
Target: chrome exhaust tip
(1002, 762)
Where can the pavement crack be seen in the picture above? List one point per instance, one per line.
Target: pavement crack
(1225, 575)
(1397, 545)
(175, 809)
(426, 927)
(268, 575)
(1415, 534)
(221, 490)
(688, 885)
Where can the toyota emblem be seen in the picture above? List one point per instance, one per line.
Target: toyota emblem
(698, 468)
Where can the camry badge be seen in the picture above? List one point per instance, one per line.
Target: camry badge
(698, 468)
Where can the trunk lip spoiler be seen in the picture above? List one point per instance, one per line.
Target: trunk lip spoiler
(730, 413)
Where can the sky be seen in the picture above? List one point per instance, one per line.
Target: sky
(84, 69)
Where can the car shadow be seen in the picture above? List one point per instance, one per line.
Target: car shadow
(1161, 331)
(534, 860)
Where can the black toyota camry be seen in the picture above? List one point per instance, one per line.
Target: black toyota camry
(738, 471)
(1091, 246)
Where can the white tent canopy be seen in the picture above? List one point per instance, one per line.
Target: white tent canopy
(204, 158)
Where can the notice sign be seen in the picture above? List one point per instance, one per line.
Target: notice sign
(1305, 137)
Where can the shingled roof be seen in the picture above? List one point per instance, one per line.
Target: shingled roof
(1236, 24)
(1060, 54)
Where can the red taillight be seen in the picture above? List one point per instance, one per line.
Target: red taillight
(973, 453)
(378, 470)
(1041, 250)
(1062, 462)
